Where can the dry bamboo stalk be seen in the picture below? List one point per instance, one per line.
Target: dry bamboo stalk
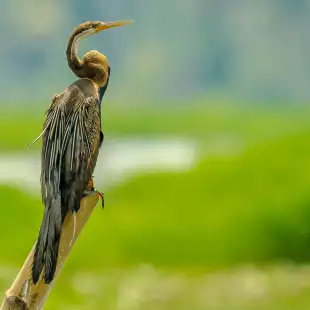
(23, 294)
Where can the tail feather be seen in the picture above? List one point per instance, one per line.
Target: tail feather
(47, 246)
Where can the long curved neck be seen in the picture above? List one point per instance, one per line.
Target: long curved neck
(75, 64)
(91, 66)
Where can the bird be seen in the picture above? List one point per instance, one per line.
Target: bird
(71, 138)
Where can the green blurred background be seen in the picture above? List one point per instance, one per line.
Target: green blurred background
(206, 162)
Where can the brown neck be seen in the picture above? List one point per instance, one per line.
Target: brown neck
(91, 66)
(75, 64)
(96, 73)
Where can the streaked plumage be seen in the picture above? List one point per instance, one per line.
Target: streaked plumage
(70, 148)
(71, 140)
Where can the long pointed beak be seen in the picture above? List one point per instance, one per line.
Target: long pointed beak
(108, 25)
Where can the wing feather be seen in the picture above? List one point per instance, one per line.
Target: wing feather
(70, 125)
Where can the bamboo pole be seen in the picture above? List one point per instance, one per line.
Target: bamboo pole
(23, 294)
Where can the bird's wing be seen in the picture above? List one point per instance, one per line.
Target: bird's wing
(70, 141)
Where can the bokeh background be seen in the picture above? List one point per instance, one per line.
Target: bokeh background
(206, 162)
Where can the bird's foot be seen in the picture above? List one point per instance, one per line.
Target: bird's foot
(97, 192)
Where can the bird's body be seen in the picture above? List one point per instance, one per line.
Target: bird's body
(69, 154)
(71, 140)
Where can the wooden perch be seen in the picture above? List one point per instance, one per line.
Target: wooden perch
(23, 294)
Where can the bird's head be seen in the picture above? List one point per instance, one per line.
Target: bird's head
(94, 65)
(91, 27)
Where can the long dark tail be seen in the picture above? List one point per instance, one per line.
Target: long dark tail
(47, 246)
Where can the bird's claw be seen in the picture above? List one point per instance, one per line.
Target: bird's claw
(102, 198)
(97, 192)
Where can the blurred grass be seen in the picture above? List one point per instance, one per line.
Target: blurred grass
(252, 123)
(252, 206)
